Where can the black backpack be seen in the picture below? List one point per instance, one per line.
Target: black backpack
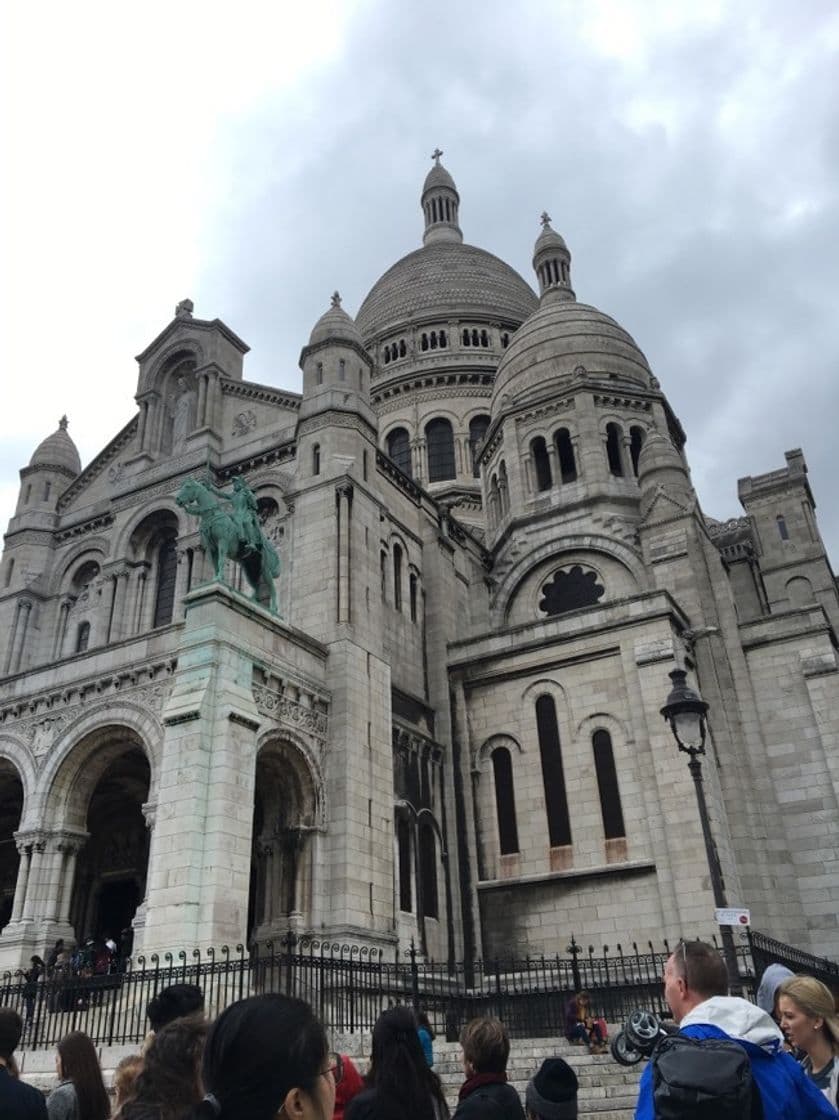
(703, 1079)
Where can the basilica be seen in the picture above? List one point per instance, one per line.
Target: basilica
(449, 730)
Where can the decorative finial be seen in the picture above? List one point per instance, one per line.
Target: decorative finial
(545, 219)
(336, 299)
(435, 155)
(62, 423)
(184, 309)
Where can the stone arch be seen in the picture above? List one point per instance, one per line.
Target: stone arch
(800, 591)
(80, 740)
(554, 550)
(98, 791)
(12, 805)
(616, 727)
(288, 812)
(14, 752)
(170, 359)
(95, 551)
(162, 505)
(482, 754)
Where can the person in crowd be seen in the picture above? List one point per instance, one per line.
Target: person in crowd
(18, 1101)
(400, 1085)
(53, 955)
(172, 1003)
(30, 988)
(168, 1085)
(696, 991)
(350, 1085)
(486, 1091)
(125, 1079)
(551, 1093)
(265, 1056)
(809, 1019)
(81, 1092)
(767, 992)
(426, 1036)
(581, 1027)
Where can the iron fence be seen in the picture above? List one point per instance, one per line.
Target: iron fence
(350, 985)
(766, 950)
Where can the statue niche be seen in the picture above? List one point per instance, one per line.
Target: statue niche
(180, 408)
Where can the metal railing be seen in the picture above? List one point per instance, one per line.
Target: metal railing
(350, 985)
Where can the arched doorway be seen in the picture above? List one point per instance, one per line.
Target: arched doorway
(111, 871)
(11, 807)
(285, 810)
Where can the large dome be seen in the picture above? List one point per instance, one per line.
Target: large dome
(445, 280)
(560, 336)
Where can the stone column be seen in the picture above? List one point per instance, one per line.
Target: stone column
(72, 846)
(54, 868)
(18, 640)
(181, 582)
(142, 421)
(528, 474)
(61, 630)
(550, 446)
(201, 412)
(118, 620)
(24, 846)
(33, 882)
(149, 810)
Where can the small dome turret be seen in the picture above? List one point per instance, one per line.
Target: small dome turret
(334, 325)
(58, 451)
(552, 262)
(440, 203)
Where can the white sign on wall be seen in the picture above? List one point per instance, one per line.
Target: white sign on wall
(732, 916)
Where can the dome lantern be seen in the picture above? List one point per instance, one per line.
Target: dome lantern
(552, 262)
(440, 203)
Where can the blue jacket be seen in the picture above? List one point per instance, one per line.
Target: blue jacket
(786, 1091)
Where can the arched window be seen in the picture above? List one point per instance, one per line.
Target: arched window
(82, 637)
(28, 494)
(636, 442)
(403, 845)
(424, 342)
(781, 522)
(433, 340)
(478, 426)
(541, 463)
(505, 340)
(316, 458)
(387, 355)
(484, 338)
(607, 785)
(613, 450)
(167, 570)
(505, 801)
(466, 338)
(412, 594)
(439, 439)
(494, 500)
(342, 370)
(565, 455)
(428, 868)
(553, 775)
(397, 577)
(475, 338)
(399, 449)
(443, 342)
(383, 573)
(319, 371)
(47, 489)
(403, 349)
(10, 567)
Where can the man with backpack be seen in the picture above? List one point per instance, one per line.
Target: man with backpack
(726, 1061)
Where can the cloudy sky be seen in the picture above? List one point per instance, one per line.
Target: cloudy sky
(256, 156)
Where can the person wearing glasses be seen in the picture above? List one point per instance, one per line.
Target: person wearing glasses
(401, 1086)
(267, 1058)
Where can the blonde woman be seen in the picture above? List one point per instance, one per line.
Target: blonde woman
(810, 1022)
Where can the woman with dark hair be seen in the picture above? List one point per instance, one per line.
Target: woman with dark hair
(400, 1084)
(81, 1094)
(266, 1055)
(168, 1086)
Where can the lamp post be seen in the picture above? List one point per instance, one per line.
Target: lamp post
(685, 711)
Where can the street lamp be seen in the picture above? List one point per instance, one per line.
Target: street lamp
(685, 711)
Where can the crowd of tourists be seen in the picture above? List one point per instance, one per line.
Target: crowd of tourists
(268, 1058)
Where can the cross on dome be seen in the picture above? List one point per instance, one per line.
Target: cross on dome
(336, 299)
(545, 219)
(435, 155)
(62, 423)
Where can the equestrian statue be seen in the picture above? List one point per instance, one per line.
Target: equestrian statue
(236, 534)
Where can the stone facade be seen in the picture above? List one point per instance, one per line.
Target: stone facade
(492, 555)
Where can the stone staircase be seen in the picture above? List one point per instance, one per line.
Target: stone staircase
(607, 1091)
